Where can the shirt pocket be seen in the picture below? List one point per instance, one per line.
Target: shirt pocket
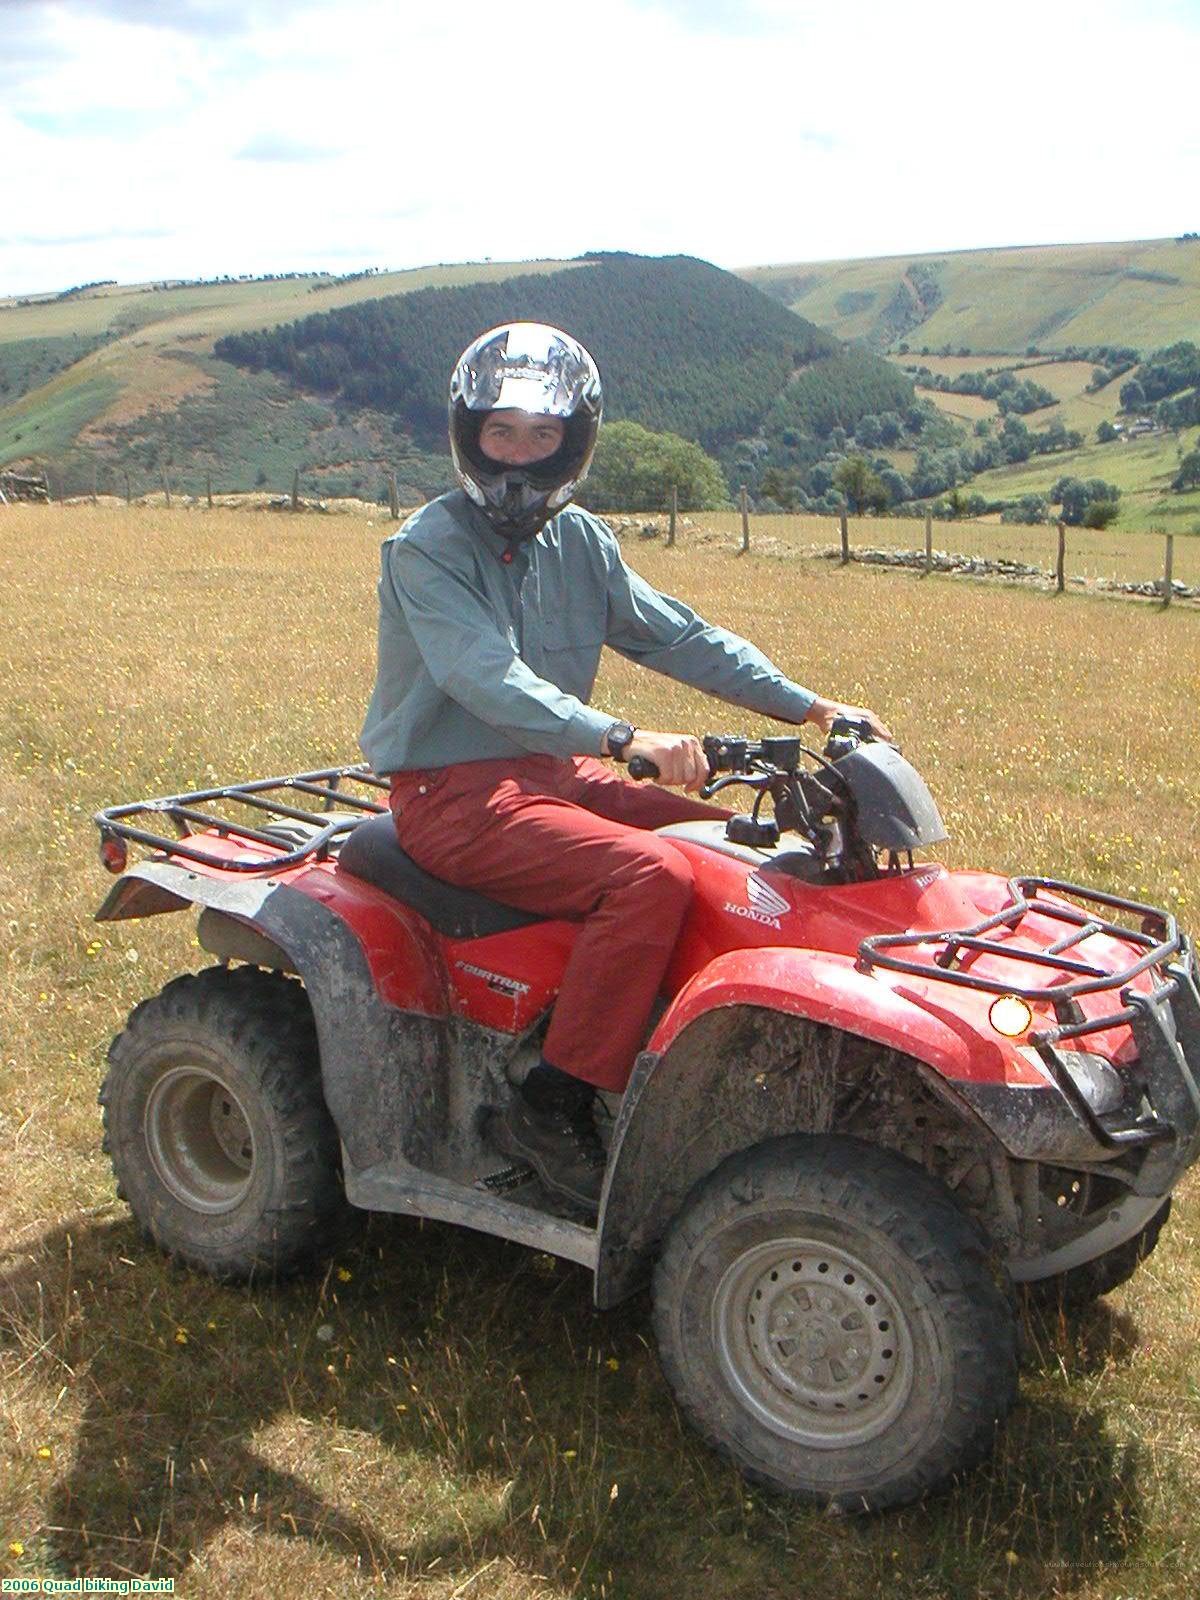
(569, 647)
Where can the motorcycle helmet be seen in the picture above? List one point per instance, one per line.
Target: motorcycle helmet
(529, 367)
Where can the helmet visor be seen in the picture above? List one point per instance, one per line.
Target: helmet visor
(528, 367)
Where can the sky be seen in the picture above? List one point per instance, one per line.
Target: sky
(145, 139)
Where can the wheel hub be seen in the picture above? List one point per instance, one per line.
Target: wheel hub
(813, 1342)
(199, 1139)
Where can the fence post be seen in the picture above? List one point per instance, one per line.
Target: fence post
(745, 521)
(296, 489)
(674, 514)
(94, 483)
(166, 487)
(1169, 562)
(928, 543)
(208, 488)
(1060, 580)
(393, 497)
(845, 527)
(128, 489)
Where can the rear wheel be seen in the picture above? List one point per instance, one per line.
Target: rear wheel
(827, 1317)
(217, 1129)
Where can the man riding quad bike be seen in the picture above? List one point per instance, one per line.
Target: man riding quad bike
(869, 1095)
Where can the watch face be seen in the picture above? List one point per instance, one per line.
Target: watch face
(619, 735)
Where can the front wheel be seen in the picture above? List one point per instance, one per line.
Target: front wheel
(827, 1317)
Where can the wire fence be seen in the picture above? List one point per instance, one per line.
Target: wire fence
(1110, 556)
(1137, 561)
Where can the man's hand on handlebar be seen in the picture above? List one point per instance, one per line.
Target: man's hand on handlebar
(822, 714)
(679, 758)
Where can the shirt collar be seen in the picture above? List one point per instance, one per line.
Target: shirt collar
(506, 551)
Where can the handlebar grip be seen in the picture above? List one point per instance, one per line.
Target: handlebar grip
(855, 727)
(640, 767)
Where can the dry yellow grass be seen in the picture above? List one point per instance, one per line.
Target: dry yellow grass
(444, 1416)
(964, 407)
(952, 366)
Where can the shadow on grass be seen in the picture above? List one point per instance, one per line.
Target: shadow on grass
(1079, 1341)
(441, 1399)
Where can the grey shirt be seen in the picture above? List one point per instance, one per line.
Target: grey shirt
(482, 657)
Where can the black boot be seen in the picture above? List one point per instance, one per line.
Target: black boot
(550, 1126)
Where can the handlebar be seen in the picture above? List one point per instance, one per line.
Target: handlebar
(640, 767)
(734, 754)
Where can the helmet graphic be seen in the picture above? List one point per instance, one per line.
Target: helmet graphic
(534, 368)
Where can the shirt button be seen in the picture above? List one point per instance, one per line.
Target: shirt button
(422, 789)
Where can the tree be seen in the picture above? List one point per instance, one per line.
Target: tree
(1099, 513)
(1106, 433)
(1029, 509)
(782, 488)
(1133, 396)
(862, 487)
(635, 469)
(1078, 495)
(1015, 441)
(897, 485)
(1188, 475)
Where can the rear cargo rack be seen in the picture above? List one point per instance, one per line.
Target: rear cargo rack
(1157, 936)
(293, 832)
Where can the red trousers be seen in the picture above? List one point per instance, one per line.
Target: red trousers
(568, 839)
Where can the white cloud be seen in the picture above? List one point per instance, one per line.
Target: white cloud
(195, 137)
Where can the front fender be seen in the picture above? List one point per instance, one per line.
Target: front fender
(734, 1061)
(828, 988)
(383, 1065)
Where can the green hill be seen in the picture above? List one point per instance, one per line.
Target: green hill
(1144, 294)
(226, 381)
(117, 378)
(683, 346)
(343, 378)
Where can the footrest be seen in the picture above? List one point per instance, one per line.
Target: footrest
(506, 1180)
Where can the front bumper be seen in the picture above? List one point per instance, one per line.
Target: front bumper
(1148, 1132)
(1152, 1135)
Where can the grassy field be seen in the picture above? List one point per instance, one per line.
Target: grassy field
(966, 408)
(440, 1415)
(1141, 468)
(1067, 381)
(1145, 293)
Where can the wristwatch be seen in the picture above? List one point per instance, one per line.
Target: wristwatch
(618, 739)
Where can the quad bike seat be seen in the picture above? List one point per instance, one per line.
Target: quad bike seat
(372, 852)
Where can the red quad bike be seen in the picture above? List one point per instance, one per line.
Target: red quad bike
(876, 1093)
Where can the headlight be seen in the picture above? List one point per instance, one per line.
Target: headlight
(1010, 1016)
(1099, 1082)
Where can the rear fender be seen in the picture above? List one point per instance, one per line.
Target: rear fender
(383, 1065)
(733, 1062)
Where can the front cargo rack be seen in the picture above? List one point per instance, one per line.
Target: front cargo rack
(1157, 936)
(293, 833)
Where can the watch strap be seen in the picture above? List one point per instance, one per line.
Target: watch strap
(618, 739)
